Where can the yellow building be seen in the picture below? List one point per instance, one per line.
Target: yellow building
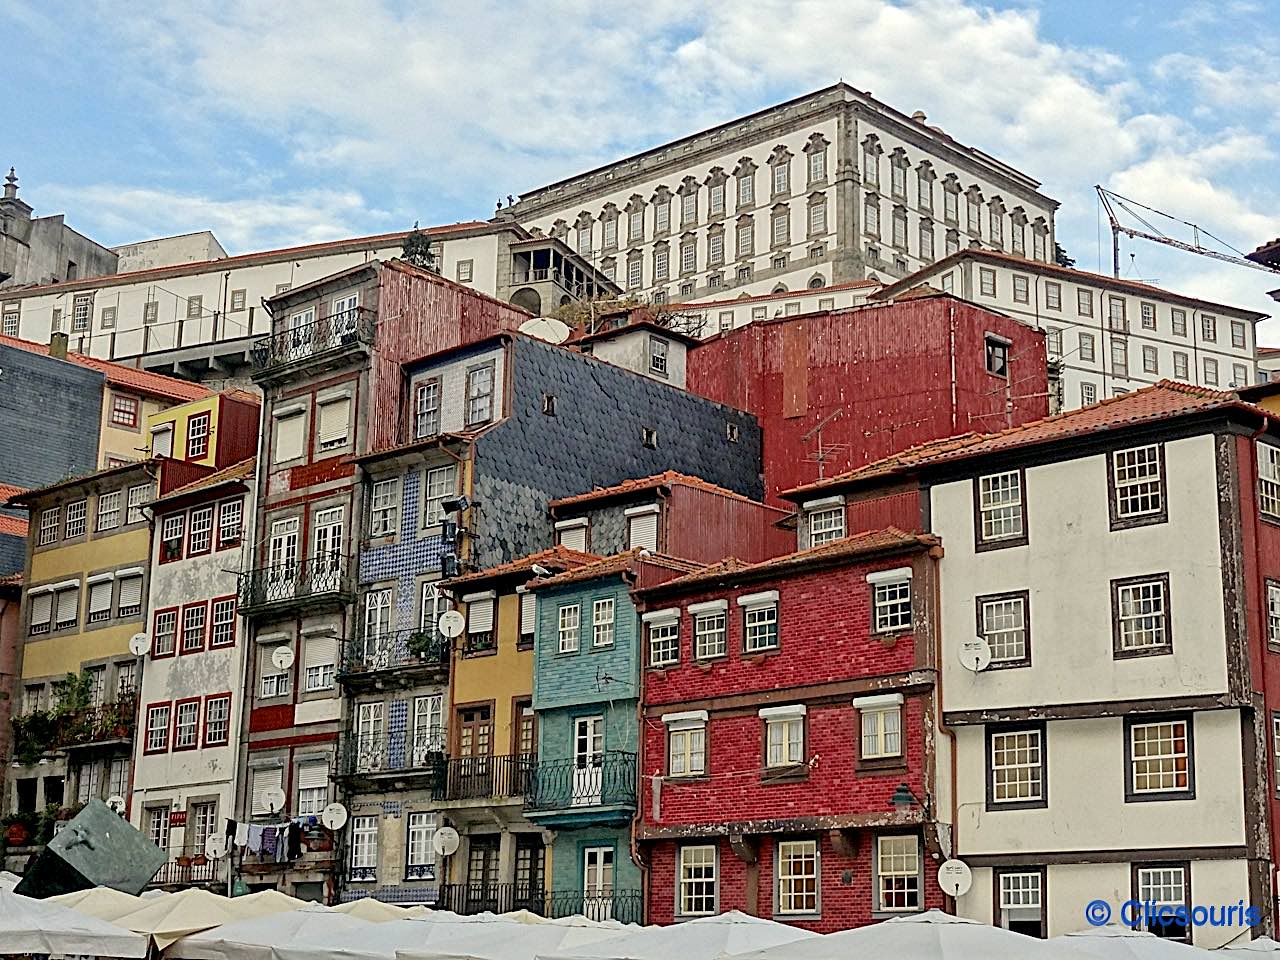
(84, 597)
(503, 859)
(215, 431)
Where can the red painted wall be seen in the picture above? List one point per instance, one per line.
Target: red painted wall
(706, 526)
(237, 430)
(824, 633)
(887, 368)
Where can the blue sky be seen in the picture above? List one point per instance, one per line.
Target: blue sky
(275, 124)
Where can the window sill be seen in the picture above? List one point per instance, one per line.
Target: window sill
(477, 654)
(701, 778)
(881, 765)
(797, 773)
(1165, 651)
(1161, 797)
(982, 546)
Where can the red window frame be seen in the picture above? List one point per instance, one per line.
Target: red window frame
(204, 732)
(202, 418)
(223, 544)
(182, 538)
(182, 629)
(130, 422)
(234, 614)
(146, 729)
(173, 737)
(155, 632)
(190, 527)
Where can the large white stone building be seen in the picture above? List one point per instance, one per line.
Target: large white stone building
(1108, 335)
(830, 187)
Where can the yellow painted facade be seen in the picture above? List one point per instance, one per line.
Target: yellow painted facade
(125, 444)
(1270, 402)
(179, 417)
(502, 677)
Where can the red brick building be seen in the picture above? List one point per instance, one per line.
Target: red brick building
(785, 704)
(860, 384)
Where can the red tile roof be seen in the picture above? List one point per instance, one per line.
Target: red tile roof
(236, 473)
(628, 487)
(12, 580)
(1165, 400)
(126, 378)
(12, 526)
(557, 558)
(616, 564)
(8, 490)
(1069, 274)
(243, 396)
(867, 543)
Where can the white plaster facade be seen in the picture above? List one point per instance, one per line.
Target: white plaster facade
(722, 314)
(839, 148)
(1110, 336)
(198, 782)
(1080, 695)
(168, 251)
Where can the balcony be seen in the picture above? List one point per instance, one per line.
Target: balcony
(302, 583)
(419, 655)
(625, 906)
(572, 789)
(479, 897)
(328, 336)
(400, 753)
(188, 871)
(106, 726)
(484, 778)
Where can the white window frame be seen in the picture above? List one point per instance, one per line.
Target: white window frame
(663, 635)
(710, 629)
(698, 870)
(1017, 766)
(438, 485)
(880, 720)
(686, 743)
(1160, 770)
(826, 522)
(1000, 505)
(898, 885)
(892, 607)
(1137, 482)
(799, 892)
(569, 627)
(384, 509)
(602, 622)
(1142, 615)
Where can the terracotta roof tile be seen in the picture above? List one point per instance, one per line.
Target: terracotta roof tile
(618, 563)
(25, 498)
(12, 580)
(12, 526)
(627, 487)
(119, 375)
(244, 396)
(859, 544)
(557, 558)
(1161, 401)
(241, 470)
(8, 490)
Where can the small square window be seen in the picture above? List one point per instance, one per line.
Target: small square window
(891, 601)
(649, 438)
(997, 356)
(1136, 478)
(760, 627)
(466, 267)
(664, 643)
(1160, 759)
(1016, 775)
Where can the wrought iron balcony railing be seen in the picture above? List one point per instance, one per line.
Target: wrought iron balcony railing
(392, 649)
(479, 897)
(402, 751)
(608, 780)
(626, 906)
(307, 340)
(484, 778)
(322, 575)
(187, 870)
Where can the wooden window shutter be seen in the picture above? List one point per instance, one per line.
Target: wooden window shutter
(528, 613)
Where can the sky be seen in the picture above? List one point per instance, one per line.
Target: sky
(275, 124)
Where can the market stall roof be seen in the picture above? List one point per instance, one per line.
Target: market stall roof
(1263, 946)
(380, 941)
(105, 903)
(253, 939)
(30, 926)
(190, 911)
(377, 911)
(1113, 942)
(932, 935)
(8, 880)
(496, 941)
(705, 938)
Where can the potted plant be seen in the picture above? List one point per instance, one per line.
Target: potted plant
(183, 860)
(420, 643)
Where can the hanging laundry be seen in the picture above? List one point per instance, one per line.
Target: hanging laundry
(242, 834)
(255, 838)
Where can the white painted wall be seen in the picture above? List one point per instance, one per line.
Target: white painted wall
(631, 351)
(453, 387)
(166, 251)
(720, 314)
(1067, 566)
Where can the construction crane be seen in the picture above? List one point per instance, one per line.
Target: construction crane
(1111, 201)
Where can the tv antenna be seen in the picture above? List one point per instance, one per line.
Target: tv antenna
(822, 452)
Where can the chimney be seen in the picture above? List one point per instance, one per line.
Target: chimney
(58, 346)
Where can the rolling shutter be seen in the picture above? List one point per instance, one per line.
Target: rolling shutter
(68, 606)
(162, 442)
(642, 529)
(528, 613)
(41, 609)
(572, 534)
(265, 779)
(99, 597)
(289, 433)
(320, 652)
(130, 592)
(333, 421)
(480, 615)
(313, 775)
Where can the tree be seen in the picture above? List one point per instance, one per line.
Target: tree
(417, 250)
(1060, 256)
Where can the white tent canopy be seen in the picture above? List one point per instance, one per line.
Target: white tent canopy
(8, 880)
(253, 939)
(1114, 942)
(705, 938)
(377, 911)
(381, 941)
(498, 941)
(38, 926)
(189, 911)
(1263, 946)
(932, 935)
(105, 903)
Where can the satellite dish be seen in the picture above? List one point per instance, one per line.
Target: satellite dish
(546, 328)
(445, 841)
(215, 846)
(955, 877)
(116, 803)
(975, 655)
(282, 657)
(274, 798)
(452, 623)
(139, 644)
(334, 816)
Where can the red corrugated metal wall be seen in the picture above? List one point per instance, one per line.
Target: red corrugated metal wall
(886, 368)
(237, 431)
(420, 314)
(707, 526)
